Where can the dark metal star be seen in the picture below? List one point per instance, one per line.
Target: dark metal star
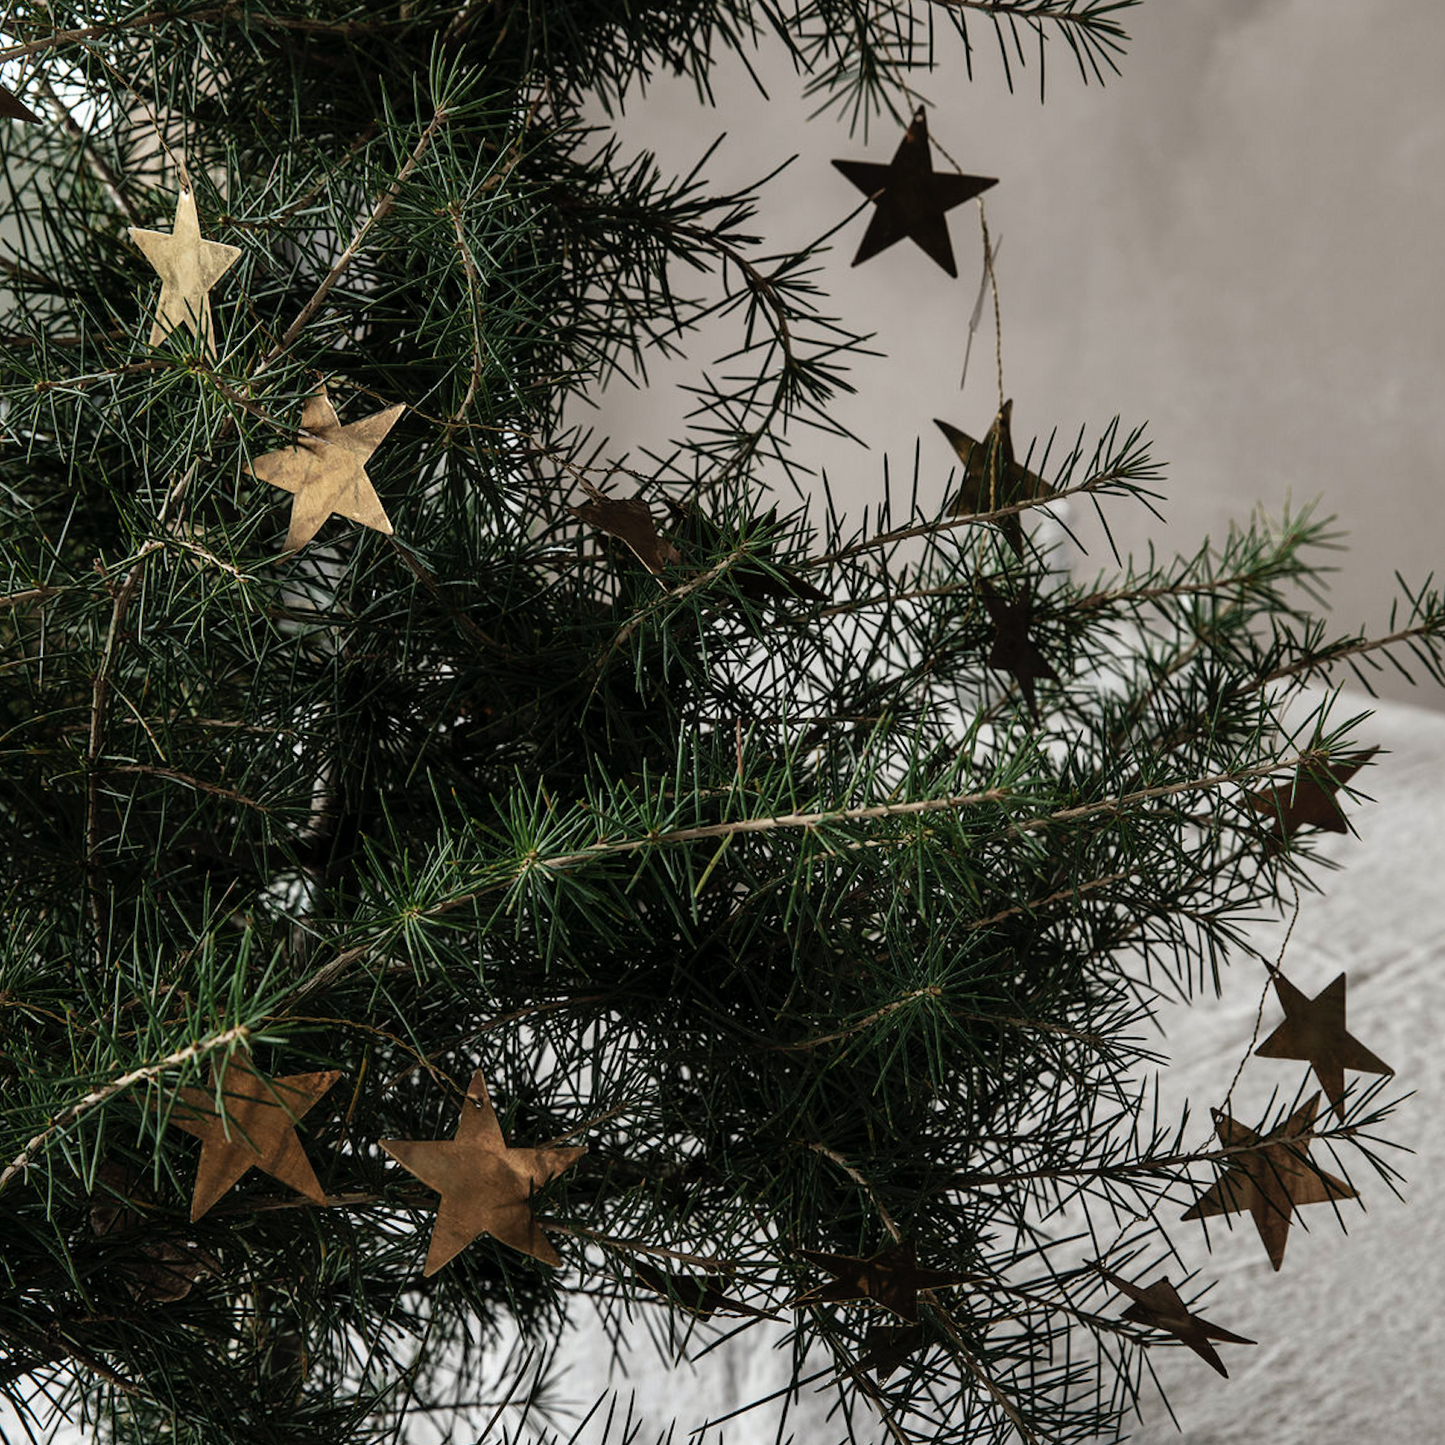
(1314, 1030)
(891, 1279)
(910, 197)
(1309, 802)
(1012, 650)
(991, 477)
(695, 1293)
(1160, 1307)
(1272, 1181)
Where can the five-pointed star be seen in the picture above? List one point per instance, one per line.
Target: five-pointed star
(1160, 1307)
(695, 1293)
(1012, 650)
(188, 268)
(891, 1279)
(485, 1187)
(256, 1130)
(326, 471)
(1314, 1030)
(1309, 802)
(910, 197)
(991, 477)
(1272, 1181)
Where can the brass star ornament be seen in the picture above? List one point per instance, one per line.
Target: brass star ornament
(1314, 1031)
(1272, 1181)
(910, 198)
(891, 1279)
(188, 267)
(326, 470)
(485, 1187)
(1309, 802)
(1160, 1308)
(991, 477)
(256, 1128)
(695, 1293)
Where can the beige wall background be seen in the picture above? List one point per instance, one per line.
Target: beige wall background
(1238, 241)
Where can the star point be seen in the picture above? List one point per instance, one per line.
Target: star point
(188, 267)
(1159, 1307)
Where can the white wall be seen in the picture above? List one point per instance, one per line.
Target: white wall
(1238, 241)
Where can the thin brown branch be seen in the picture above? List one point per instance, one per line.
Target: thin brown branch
(199, 784)
(379, 211)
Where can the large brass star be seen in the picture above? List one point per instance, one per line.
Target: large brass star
(910, 197)
(891, 1279)
(255, 1130)
(326, 470)
(1160, 1307)
(485, 1187)
(1314, 1030)
(188, 267)
(1270, 1182)
(991, 477)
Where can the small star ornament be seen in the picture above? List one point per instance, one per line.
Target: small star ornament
(695, 1294)
(1314, 1031)
(1309, 802)
(326, 470)
(188, 267)
(1270, 1182)
(1160, 1308)
(629, 520)
(255, 1130)
(910, 198)
(1012, 650)
(485, 1187)
(891, 1279)
(991, 477)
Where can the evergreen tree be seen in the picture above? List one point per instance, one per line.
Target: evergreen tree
(815, 878)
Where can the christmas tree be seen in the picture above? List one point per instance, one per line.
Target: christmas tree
(459, 880)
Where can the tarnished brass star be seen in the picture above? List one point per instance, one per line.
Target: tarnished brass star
(256, 1128)
(891, 1279)
(1272, 1181)
(1314, 1030)
(485, 1187)
(1160, 1307)
(992, 479)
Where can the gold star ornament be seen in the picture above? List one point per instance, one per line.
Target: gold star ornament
(891, 1279)
(255, 1129)
(485, 1187)
(326, 470)
(1270, 1181)
(1160, 1308)
(910, 198)
(1314, 1030)
(188, 267)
